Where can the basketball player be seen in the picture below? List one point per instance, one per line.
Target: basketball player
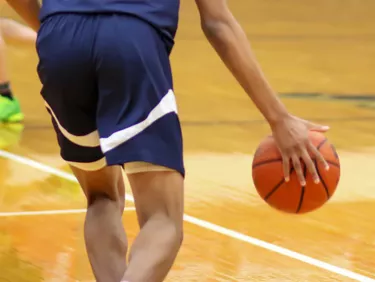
(10, 110)
(107, 83)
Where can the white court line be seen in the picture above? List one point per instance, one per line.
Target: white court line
(50, 212)
(210, 226)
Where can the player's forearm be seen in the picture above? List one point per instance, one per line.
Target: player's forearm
(28, 10)
(232, 45)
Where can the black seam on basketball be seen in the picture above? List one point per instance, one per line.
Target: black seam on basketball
(329, 162)
(278, 185)
(334, 152)
(302, 191)
(322, 180)
(267, 162)
(333, 164)
(322, 143)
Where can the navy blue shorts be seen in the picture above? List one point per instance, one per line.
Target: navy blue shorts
(107, 84)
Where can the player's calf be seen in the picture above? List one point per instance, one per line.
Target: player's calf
(154, 250)
(159, 202)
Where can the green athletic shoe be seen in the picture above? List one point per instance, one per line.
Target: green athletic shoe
(10, 110)
(10, 134)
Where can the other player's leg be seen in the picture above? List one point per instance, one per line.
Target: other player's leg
(10, 110)
(15, 31)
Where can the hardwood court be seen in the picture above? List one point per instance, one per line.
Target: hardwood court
(322, 46)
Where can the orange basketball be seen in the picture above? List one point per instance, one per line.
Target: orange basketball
(290, 196)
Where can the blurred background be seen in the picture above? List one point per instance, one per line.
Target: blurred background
(318, 55)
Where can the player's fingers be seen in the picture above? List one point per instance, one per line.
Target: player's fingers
(286, 168)
(317, 127)
(310, 165)
(319, 156)
(298, 168)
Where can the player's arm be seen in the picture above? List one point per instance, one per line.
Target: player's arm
(28, 11)
(230, 42)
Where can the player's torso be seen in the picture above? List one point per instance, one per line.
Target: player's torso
(163, 14)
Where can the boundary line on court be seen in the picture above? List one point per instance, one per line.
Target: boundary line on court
(50, 212)
(208, 225)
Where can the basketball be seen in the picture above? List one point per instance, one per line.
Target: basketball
(291, 197)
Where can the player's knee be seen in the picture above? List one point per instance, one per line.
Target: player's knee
(101, 198)
(121, 202)
(102, 185)
(174, 234)
(106, 192)
(97, 198)
(181, 239)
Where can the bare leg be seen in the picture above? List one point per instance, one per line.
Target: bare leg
(15, 31)
(12, 30)
(3, 72)
(105, 237)
(159, 201)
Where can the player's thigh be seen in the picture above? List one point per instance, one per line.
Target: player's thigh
(137, 113)
(69, 90)
(107, 182)
(85, 157)
(158, 193)
(70, 93)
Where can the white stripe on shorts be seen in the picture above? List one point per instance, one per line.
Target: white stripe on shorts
(89, 140)
(167, 105)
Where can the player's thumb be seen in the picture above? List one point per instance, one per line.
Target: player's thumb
(317, 127)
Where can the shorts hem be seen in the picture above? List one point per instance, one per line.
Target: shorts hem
(147, 158)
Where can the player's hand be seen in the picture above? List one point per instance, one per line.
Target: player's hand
(292, 137)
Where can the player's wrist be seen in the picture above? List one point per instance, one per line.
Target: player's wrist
(277, 115)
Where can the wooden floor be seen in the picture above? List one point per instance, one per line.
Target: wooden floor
(323, 46)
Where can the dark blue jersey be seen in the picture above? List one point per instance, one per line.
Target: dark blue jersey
(162, 14)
